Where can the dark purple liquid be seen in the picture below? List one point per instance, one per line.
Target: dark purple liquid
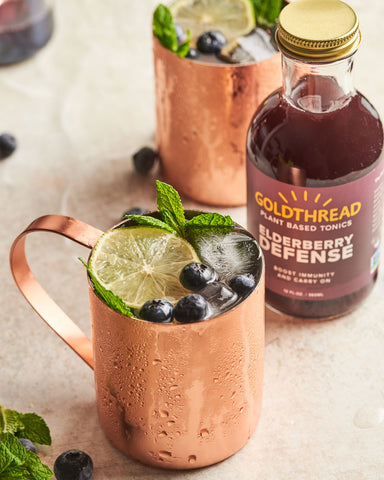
(316, 149)
(25, 27)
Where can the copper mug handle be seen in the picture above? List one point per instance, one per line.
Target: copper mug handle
(35, 294)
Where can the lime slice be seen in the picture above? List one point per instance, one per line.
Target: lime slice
(141, 263)
(233, 18)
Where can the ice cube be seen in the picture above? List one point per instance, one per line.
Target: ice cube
(230, 254)
(254, 47)
(219, 297)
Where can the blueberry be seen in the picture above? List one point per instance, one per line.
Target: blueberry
(28, 445)
(73, 465)
(242, 284)
(191, 308)
(157, 310)
(192, 54)
(144, 159)
(180, 34)
(134, 211)
(211, 42)
(8, 144)
(195, 276)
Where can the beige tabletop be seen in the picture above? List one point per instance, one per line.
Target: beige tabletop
(79, 109)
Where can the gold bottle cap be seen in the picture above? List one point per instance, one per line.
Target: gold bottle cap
(318, 30)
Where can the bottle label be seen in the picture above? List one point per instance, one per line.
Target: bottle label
(318, 243)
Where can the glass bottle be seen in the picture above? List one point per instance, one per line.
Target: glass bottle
(315, 170)
(25, 27)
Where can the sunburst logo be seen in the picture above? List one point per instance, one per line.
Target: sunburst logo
(305, 198)
(306, 206)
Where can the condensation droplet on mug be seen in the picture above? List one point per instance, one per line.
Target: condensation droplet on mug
(215, 380)
(241, 410)
(156, 361)
(164, 455)
(170, 423)
(173, 387)
(163, 434)
(192, 459)
(163, 413)
(369, 417)
(233, 394)
(204, 433)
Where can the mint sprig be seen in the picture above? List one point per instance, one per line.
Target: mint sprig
(164, 30)
(173, 217)
(18, 463)
(107, 296)
(15, 461)
(172, 213)
(24, 425)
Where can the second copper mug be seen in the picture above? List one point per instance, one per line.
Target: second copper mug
(171, 396)
(203, 111)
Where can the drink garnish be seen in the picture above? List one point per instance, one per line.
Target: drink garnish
(15, 460)
(233, 18)
(267, 11)
(106, 295)
(173, 217)
(141, 263)
(133, 264)
(164, 30)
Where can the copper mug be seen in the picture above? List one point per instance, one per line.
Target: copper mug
(170, 396)
(203, 113)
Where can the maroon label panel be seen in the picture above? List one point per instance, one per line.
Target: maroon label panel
(318, 243)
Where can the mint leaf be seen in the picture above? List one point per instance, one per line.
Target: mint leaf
(15, 461)
(169, 219)
(16, 473)
(164, 30)
(14, 450)
(19, 462)
(183, 49)
(9, 420)
(208, 224)
(35, 429)
(151, 222)
(170, 207)
(25, 425)
(37, 469)
(5, 458)
(108, 297)
(267, 12)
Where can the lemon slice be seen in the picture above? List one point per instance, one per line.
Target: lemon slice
(141, 263)
(233, 18)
